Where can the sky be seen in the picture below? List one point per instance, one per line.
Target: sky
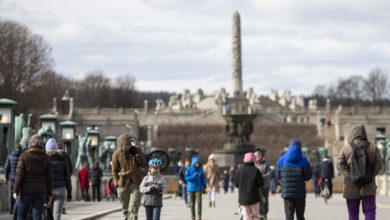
(172, 45)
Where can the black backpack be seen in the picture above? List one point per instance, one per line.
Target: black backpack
(361, 171)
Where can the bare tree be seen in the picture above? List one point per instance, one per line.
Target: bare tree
(375, 85)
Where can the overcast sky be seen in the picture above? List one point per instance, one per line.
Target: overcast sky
(175, 44)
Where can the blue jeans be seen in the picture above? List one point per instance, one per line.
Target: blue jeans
(316, 187)
(186, 195)
(153, 212)
(26, 200)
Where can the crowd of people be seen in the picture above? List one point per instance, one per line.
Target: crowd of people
(42, 175)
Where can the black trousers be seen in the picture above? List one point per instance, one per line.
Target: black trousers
(264, 194)
(294, 205)
(96, 192)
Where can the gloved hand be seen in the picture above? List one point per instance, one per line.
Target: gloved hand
(133, 150)
(69, 197)
(16, 196)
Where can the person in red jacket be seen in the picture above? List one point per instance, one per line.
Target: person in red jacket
(84, 183)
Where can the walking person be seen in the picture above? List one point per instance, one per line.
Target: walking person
(232, 173)
(360, 156)
(211, 172)
(153, 186)
(195, 181)
(70, 165)
(110, 195)
(127, 163)
(225, 181)
(265, 171)
(84, 183)
(34, 180)
(249, 180)
(61, 178)
(10, 172)
(96, 180)
(179, 189)
(183, 182)
(326, 174)
(316, 176)
(292, 169)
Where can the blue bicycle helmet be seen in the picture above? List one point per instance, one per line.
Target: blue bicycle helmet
(155, 163)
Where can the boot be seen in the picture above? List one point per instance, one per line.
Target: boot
(210, 204)
(199, 218)
(213, 205)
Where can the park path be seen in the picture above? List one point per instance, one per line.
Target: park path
(227, 209)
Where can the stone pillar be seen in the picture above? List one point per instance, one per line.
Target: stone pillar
(146, 107)
(327, 107)
(236, 80)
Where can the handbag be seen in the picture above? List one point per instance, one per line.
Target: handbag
(47, 213)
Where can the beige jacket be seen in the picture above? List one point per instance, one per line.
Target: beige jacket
(127, 167)
(211, 172)
(344, 161)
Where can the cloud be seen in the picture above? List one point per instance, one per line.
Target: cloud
(176, 44)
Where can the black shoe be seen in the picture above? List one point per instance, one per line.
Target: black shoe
(64, 211)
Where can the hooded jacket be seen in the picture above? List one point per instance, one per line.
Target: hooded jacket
(326, 169)
(11, 163)
(293, 170)
(344, 162)
(33, 174)
(153, 197)
(195, 177)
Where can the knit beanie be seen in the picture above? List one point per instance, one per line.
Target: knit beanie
(250, 157)
(35, 141)
(51, 145)
(295, 142)
(212, 156)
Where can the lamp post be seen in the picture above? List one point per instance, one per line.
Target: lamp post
(49, 119)
(93, 133)
(7, 122)
(68, 136)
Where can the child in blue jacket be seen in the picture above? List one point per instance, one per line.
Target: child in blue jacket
(195, 181)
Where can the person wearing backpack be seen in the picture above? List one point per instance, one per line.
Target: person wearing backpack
(359, 162)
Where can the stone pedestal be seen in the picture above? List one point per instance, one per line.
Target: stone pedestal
(232, 154)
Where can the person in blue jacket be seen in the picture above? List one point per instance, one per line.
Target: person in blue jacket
(292, 169)
(195, 182)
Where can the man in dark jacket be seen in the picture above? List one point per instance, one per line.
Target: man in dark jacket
(10, 171)
(96, 176)
(292, 169)
(265, 171)
(35, 184)
(183, 182)
(248, 179)
(315, 177)
(327, 173)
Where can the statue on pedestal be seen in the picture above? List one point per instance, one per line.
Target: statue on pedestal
(46, 133)
(23, 130)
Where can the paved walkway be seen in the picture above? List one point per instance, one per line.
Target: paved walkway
(226, 209)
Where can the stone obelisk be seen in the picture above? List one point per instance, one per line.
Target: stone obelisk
(236, 80)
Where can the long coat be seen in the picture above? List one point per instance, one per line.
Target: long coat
(84, 179)
(344, 162)
(211, 171)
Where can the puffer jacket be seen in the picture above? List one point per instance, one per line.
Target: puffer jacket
(129, 163)
(326, 169)
(195, 177)
(61, 172)
(153, 197)
(33, 174)
(292, 169)
(96, 175)
(344, 162)
(11, 163)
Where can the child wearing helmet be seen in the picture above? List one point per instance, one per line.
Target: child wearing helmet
(153, 186)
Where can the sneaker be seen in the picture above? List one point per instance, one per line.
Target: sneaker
(64, 211)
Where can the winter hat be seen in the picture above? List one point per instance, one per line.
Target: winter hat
(295, 142)
(250, 157)
(35, 141)
(51, 145)
(211, 157)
